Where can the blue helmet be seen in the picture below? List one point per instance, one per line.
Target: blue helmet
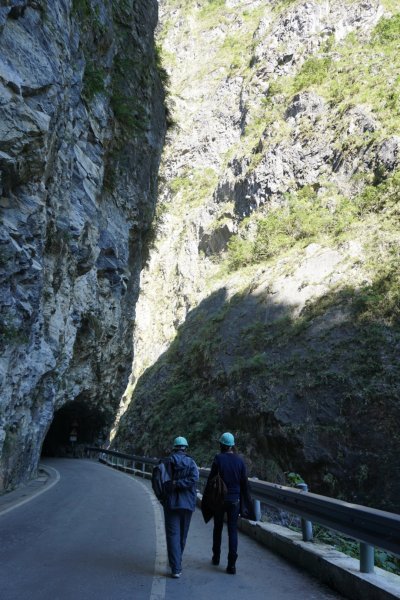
(180, 441)
(227, 439)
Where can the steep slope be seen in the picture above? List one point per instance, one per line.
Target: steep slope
(81, 129)
(269, 304)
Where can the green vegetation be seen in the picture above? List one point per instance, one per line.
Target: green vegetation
(163, 74)
(128, 107)
(122, 11)
(381, 198)
(93, 79)
(96, 33)
(355, 72)
(305, 218)
(313, 73)
(194, 185)
(211, 11)
(95, 41)
(383, 559)
(82, 8)
(182, 400)
(12, 331)
(229, 369)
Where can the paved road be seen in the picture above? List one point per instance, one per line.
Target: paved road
(97, 534)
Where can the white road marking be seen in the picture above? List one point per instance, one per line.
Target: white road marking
(160, 565)
(158, 586)
(31, 497)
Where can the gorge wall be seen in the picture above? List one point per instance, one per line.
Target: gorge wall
(260, 281)
(82, 123)
(269, 304)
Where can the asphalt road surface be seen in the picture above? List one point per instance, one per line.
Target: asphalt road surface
(98, 534)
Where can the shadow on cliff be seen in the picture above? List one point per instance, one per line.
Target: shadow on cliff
(316, 394)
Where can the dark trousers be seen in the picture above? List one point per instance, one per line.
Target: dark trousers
(231, 509)
(176, 529)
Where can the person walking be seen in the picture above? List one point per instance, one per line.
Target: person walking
(180, 503)
(232, 469)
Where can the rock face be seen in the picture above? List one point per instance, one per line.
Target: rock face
(81, 131)
(263, 306)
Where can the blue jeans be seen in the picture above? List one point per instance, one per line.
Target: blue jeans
(232, 513)
(177, 523)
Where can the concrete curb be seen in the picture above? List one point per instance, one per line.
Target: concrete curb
(339, 571)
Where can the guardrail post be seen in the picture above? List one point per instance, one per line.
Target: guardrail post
(257, 509)
(366, 558)
(306, 526)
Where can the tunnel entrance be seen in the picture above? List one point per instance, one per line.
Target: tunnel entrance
(74, 425)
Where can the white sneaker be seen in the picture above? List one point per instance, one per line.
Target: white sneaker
(176, 575)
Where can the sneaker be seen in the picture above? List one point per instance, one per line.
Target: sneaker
(176, 575)
(231, 570)
(215, 560)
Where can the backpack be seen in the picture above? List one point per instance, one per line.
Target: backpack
(215, 492)
(161, 474)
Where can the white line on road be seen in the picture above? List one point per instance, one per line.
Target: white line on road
(158, 585)
(31, 497)
(160, 564)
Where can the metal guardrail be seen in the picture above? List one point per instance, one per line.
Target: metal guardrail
(369, 526)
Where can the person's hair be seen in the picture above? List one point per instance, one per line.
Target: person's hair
(225, 448)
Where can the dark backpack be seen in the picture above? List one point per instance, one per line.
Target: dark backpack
(161, 475)
(215, 492)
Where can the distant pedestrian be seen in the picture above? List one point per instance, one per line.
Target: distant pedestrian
(232, 469)
(180, 503)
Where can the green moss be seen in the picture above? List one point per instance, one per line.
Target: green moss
(122, 11)
(129, 108)
(11, 333)
(93, 79)
(82, 8)
(9, 444)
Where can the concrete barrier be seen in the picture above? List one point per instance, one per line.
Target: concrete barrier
(335, 569)
(339, 571)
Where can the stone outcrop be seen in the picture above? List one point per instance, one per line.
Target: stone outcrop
(274, 348)
(81, 131)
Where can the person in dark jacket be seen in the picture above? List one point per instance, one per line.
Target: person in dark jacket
(180, 503)
(233, 471)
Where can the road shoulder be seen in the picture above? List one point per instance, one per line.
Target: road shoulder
(46, 478)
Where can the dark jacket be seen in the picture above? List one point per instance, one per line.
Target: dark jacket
(233, 471)
(185, 474)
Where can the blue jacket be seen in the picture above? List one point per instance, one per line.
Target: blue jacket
(185, 474)
(233, 471)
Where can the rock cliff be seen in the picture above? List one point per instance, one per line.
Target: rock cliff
(269, 302)
(82, 123)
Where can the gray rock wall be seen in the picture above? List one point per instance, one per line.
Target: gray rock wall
(282, 348)
(81, 130)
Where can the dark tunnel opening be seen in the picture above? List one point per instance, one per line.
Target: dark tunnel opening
(74, 425)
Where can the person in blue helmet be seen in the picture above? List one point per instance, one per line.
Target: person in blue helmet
(180, 503)
(237, 500)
